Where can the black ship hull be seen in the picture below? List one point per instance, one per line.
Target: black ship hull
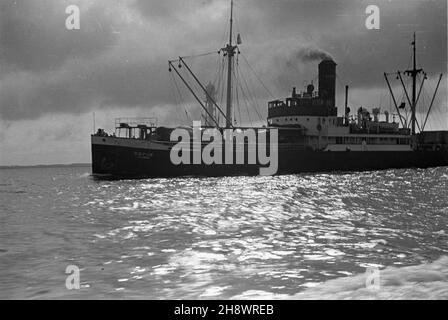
(131, 162)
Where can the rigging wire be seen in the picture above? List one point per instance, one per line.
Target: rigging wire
(196, 56)
(179, 118)
(217, 83)
(221, 79)
(251, 97)
(246, 104)
(424, 97)
(256, 75)
(218, 70)
(236, 74)
(428, 97)
(247, 108)
(423, 107)
(401, 99)
(181, 98)
(246, 99)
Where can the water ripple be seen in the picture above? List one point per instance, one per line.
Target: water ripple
(214, 237)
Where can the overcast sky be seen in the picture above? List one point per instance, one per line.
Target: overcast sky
(52, 80)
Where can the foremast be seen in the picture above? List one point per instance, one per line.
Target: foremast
(229, 52)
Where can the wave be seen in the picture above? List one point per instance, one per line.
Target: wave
(427, 281)
(85, 175)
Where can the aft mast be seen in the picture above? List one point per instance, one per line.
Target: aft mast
(414, 73)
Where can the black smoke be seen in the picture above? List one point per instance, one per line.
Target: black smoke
(310, 54)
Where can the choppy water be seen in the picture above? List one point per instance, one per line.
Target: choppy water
(299, 236)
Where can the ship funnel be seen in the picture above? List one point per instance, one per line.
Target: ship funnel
(327, 81)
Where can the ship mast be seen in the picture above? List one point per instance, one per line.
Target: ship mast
(414, 73)
(230, 52)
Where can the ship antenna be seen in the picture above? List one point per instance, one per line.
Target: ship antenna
(230, 51)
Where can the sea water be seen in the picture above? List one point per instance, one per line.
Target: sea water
(289, 237)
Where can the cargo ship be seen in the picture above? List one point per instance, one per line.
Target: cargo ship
(310, 136)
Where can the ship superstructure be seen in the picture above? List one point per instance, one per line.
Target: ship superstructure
(315, 112)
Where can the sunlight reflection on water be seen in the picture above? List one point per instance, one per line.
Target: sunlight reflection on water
(215, 237)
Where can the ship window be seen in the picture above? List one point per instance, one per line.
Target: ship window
(307, 119)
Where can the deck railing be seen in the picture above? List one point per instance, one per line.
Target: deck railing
(135, 122)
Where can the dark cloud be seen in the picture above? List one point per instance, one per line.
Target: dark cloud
(364, 55)
(33, 34)
(119, 57)
(170, 9)
(78, 89)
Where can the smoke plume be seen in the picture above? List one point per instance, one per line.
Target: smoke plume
(310, 54)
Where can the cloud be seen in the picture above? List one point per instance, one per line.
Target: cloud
(119, 57)
(33, 36)
(172, 9)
